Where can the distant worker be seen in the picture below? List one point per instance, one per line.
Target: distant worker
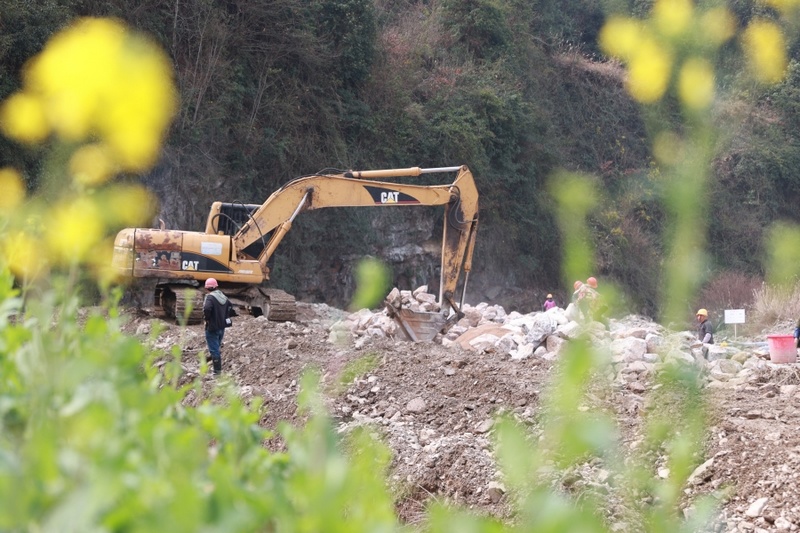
(797, 335)
(216, 312)
(549, 303)
(597, 305)
(585, 297)
(576, 287)
(582, 298)
(705, 333)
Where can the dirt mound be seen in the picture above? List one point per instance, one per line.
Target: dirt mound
(436, 405)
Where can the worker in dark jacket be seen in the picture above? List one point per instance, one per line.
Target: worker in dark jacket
(216, 312)
(705, 333)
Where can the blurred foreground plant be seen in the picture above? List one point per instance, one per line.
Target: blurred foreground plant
(91, 439)
(100, 98)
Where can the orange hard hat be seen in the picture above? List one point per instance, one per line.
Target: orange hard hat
(577, 285)
(592, 282)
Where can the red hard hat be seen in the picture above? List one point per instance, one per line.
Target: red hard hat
(211, 283)
(577, 285)
(592, 282)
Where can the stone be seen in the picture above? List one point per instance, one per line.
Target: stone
(554, 344)
(701, 473)
(495, 491)
(484, 426)
(756, 508)
(417, 405)
(628, 349)
(522, 352)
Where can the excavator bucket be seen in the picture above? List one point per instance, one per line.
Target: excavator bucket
(419, 326)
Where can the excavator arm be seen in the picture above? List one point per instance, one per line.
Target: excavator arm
(273, 219)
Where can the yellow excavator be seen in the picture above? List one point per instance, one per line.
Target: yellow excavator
(240, 239)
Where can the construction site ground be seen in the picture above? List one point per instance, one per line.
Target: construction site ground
(436, 406)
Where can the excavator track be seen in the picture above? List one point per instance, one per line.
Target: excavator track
(172, 302)
(184, 298)
(282, 305)
(275, 304)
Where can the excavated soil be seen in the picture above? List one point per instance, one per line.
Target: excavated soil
(436, 407)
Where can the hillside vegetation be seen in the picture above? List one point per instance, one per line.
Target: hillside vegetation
(515, 89)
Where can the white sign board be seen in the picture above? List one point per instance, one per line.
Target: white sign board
(734, 316)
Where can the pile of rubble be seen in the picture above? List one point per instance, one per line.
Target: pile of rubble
(637, 346)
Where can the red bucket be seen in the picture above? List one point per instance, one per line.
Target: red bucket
(782, 348)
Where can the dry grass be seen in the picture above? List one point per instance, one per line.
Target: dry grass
(775, 305)
(769, 308)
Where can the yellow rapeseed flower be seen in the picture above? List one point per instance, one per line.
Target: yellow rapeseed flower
(91, 164)
(101, 264)
(96, 77)
(76, 73)
(620, 37)
(649, 71)
(74, 229)
(23, 252)
(672, 16)
(22, 118)
(696, 83)
(12, 189)
(142, 106)
(765, 47)
(127, 205)
(718, 24)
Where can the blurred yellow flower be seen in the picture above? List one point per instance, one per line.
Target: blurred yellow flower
(12, 189)
(128, 205)
(100, 261)
(620, 37)
(718, 24)
(96, 77)
(91, 165)
(696, 83)
(672, 16)
(76, 74)
(74, 230)
(648, 72)
(765, 47)
(22, 118)
(784, 5)
(145, 101)
(23, 252)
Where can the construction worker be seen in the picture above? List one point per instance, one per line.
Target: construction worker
(216, 312)
(583, 298)
(576, 287)
(705, 333)
(549, 303)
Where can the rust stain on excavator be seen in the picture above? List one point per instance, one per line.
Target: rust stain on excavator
(169, 241)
